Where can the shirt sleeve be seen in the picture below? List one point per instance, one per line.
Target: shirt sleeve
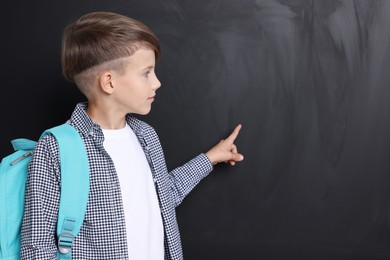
(184, 178)
(38, 237)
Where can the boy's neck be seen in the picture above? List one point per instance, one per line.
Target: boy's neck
(107, 118)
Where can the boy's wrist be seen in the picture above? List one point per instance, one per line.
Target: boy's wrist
(209, 155)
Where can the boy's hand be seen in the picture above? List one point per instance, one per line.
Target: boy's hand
(226, 150)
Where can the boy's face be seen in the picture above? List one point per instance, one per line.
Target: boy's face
(136, 88)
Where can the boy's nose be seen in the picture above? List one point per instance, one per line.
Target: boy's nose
(156, 84)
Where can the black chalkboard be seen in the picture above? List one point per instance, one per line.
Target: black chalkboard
(308, 79)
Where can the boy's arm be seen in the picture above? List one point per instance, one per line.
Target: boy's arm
(183, 179)
(41, 202)
(186, 177)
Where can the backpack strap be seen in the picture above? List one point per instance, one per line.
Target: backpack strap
(74, 186)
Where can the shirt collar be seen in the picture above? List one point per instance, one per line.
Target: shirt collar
(86, 126)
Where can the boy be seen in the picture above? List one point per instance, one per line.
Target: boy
(131, 206)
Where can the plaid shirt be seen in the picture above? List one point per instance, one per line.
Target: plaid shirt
(103, 233)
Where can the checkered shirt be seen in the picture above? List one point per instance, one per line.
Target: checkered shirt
(103, 233)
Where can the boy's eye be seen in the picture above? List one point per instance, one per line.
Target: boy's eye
(147, 73)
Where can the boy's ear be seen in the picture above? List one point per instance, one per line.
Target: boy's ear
(105, 82)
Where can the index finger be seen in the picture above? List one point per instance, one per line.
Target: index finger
(234, 134)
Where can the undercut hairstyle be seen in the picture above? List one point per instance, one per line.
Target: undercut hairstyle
(101, 40)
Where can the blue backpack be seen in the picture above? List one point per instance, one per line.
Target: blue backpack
(73, 197)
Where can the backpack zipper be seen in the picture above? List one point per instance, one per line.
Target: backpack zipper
(21, 158)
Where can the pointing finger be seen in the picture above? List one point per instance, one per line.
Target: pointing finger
(234, 134)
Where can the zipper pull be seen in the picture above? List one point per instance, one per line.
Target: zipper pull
(21, 158)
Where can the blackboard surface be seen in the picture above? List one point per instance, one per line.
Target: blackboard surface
(309, 81)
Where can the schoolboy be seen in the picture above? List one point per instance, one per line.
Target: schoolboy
(131, 207)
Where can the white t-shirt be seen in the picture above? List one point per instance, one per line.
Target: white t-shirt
(144, 227)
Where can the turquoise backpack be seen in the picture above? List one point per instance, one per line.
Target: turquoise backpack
(73, 197)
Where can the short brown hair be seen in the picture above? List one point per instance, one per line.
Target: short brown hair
(99, 37)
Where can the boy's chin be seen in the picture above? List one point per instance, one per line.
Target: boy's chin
(142, 113)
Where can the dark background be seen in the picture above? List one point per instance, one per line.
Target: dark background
(309, 81)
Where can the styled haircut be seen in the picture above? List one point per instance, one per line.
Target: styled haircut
(101, 37)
